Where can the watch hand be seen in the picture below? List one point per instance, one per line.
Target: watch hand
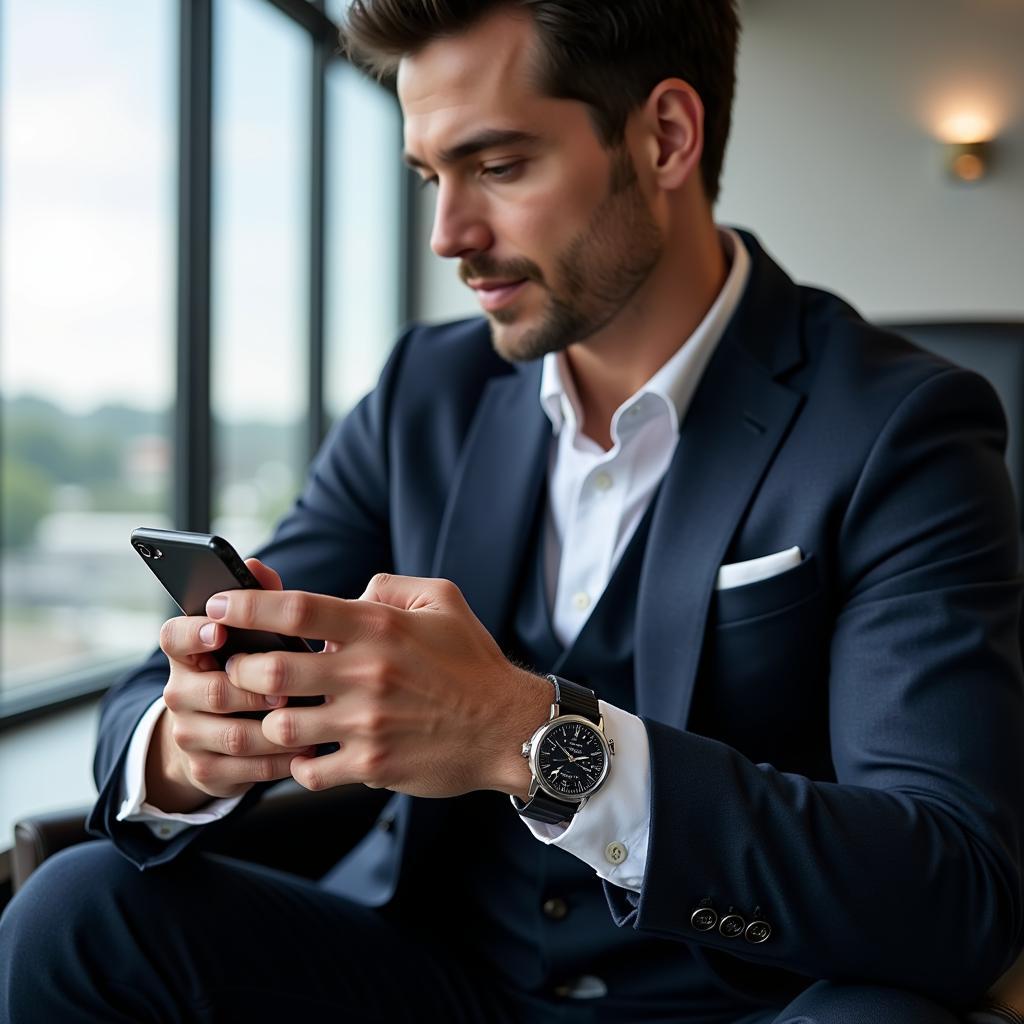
(572, 760)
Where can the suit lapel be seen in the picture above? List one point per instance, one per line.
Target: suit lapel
(739, 416)
(494, 494)
(737, 420)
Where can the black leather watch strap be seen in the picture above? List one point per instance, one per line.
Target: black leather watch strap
(573, 699)
(543, 807)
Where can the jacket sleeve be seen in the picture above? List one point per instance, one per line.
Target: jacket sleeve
(906, 869)
(335, 538)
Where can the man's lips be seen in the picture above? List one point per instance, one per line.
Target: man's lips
(495, 294)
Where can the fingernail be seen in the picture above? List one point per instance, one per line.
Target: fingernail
(216, 607)
(208, 633)
(275, 702)
(230, 663)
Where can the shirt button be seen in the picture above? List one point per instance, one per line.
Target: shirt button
(602, 481)
(555, 908)
(581, 600)
(165, 831)
(615, 853)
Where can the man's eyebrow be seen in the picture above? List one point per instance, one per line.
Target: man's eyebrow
(486, 139)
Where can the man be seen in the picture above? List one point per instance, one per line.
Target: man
(766, 551)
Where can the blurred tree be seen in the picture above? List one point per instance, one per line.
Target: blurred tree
(25, 497)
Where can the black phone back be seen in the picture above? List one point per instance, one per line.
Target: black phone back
(192, 568)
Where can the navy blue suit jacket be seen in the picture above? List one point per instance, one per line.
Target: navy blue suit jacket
(840, 745)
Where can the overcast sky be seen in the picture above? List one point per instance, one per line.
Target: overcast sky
(88, 185)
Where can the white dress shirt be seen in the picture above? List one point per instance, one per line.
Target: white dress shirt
(596, 499)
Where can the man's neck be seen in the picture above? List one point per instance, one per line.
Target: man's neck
(614, 364)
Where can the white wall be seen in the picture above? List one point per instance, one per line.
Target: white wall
(834, 164)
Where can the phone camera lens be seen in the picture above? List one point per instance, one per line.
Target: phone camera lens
(157, 553)
(145, 551)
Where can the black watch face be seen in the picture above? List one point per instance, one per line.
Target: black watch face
(571, 759)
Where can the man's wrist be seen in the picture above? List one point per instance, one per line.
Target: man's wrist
(527, 716)
(164, 790)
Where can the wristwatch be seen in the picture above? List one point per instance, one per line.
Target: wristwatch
(569, 755)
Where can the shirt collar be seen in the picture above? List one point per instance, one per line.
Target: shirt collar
(677, 379)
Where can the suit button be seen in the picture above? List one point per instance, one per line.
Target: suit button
(386, 824)
(704, 919)
(555, 908)
(757, 931)
(731, 926)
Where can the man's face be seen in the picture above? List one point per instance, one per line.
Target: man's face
(551, 230)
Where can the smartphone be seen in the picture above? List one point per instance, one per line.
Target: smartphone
(192, 568)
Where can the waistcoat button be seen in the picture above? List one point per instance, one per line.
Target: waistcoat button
(555, 908)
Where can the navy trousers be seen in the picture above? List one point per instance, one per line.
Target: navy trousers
(209, 939)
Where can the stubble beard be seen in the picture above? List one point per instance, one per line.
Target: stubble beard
(597, 274)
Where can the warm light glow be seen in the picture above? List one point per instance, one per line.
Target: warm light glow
(967, 127)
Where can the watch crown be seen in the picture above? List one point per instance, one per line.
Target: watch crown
(611, 746)
(526, 749)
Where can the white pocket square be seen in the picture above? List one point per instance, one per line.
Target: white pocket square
(736, 574)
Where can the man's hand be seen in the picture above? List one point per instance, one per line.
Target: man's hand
(197, 752)
(417, 693)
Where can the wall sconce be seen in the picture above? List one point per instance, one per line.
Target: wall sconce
(968, 161)
(968, 146)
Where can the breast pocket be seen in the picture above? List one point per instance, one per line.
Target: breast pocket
(764, 680)
(766, 597)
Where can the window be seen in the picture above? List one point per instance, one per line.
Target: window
(86, 329)
(262, 68)
(91, 286)
(364, 242)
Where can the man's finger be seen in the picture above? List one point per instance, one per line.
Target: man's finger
(410, 593)
(296, 613)
(186, 635)
(222, 772)
(209, 692)
(221, 734)
(268, 578)
(298, 727)
(281, 674)
(324, 772)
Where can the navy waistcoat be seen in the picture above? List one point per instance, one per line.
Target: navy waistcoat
(540, 912)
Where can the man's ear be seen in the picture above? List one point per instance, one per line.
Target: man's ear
(673, 123)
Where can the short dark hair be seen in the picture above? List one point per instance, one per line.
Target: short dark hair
(608, 54)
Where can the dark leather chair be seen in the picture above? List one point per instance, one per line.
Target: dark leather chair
(996, 351)
(303, 832)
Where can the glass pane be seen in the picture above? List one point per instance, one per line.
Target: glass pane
(364, 245)
(335, 10)
(87, 230)
(262, 71)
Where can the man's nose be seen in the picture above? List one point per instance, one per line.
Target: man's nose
(459, 229)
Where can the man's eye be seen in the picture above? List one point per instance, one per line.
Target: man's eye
(427, 182)
(503, 172)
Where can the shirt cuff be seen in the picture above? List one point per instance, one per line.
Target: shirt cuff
(163, 824)
(612, 830)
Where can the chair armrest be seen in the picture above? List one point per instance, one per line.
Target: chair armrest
(1005, 1001)
(42, 836)
(290, 829)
